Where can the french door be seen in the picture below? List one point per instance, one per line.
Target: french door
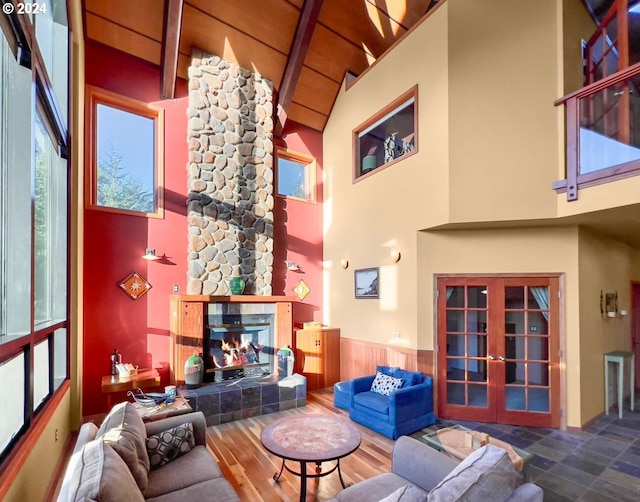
(498, 350)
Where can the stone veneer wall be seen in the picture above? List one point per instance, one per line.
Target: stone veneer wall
(230, 177)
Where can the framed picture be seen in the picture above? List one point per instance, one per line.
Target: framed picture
(366, 282)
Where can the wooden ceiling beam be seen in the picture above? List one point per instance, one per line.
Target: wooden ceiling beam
(299, 48)
(170, 46)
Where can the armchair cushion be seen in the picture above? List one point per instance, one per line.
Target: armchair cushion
(385, 384)
(409, 378)
(373, 400)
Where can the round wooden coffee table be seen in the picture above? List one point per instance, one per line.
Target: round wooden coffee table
(310, 439)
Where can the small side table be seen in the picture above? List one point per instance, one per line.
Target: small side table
(618, 357)
(115, 383)
(179, 407)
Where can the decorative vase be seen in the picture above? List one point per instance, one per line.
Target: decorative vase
(369, 163)
(236, 285)
(193, 371)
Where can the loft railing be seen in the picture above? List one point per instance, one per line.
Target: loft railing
(603, 132)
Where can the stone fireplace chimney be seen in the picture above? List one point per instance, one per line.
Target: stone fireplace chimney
(230, 177)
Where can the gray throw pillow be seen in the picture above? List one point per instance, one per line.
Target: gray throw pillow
(100, 474)
(124, 431)
(170, 444)
(486, 474)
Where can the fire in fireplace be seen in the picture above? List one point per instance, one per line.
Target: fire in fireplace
(239, 346)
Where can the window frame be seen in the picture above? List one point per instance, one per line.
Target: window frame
(95, 96)
(386, 114)
(20, 35)
(310, 166)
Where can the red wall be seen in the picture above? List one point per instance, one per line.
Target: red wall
(114, 243)
(298, 231)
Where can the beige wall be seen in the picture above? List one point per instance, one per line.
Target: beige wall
(509, 251)
(363, 221)
(504, 131)
(488, 149)
(608, 266)
(42, 461)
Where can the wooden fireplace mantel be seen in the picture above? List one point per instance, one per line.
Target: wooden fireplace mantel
(236, 299)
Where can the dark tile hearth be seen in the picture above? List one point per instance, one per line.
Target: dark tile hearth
(599, 464)
(231, 400)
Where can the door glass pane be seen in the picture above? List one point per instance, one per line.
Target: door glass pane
(477, 346)
(539, 400)
(538, 298)
(514, 297)
(538, 347)
(514, 323)
(515, 347)
(455, 369)
(455, 297)
(516, 398)
(538, 374)
(455, 345)
(477, 321)
(455, 320)
(455, 393)
(518, 371)
(478, 395)
(477, 370)
(537, 323)
(477, 297)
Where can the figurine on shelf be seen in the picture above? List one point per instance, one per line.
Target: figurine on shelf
(390, 147)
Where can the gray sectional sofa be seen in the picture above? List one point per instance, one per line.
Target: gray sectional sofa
(420, 473)
(129, 460)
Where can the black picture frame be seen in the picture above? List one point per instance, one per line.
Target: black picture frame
(367, 282)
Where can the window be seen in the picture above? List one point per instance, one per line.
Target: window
(125, 154)
(34, 202)
(387, 136)
(296, 176)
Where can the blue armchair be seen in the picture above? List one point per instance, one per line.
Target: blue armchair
(404, 411)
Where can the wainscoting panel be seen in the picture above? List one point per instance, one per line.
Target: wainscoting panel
(360, 357)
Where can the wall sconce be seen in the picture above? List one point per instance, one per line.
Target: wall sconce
(344, 263)
(294, 267)
(395, 255)
(609, 304)
(150, 254)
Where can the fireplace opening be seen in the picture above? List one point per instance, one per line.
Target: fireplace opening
(239, 346)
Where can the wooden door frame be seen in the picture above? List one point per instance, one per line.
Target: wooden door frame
(562, 358)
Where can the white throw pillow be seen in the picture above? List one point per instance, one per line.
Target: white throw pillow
(385, 384)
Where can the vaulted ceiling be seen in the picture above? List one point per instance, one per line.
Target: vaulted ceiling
(304, 47)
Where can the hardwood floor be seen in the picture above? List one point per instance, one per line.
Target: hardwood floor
(250, 468)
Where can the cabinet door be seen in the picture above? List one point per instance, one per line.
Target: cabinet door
(330, 354)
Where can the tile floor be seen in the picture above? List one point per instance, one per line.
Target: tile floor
(599, 464)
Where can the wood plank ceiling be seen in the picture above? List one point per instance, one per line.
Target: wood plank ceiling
(305, 47)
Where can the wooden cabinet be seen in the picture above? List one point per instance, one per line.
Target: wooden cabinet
(187, 329)
(317, 353)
